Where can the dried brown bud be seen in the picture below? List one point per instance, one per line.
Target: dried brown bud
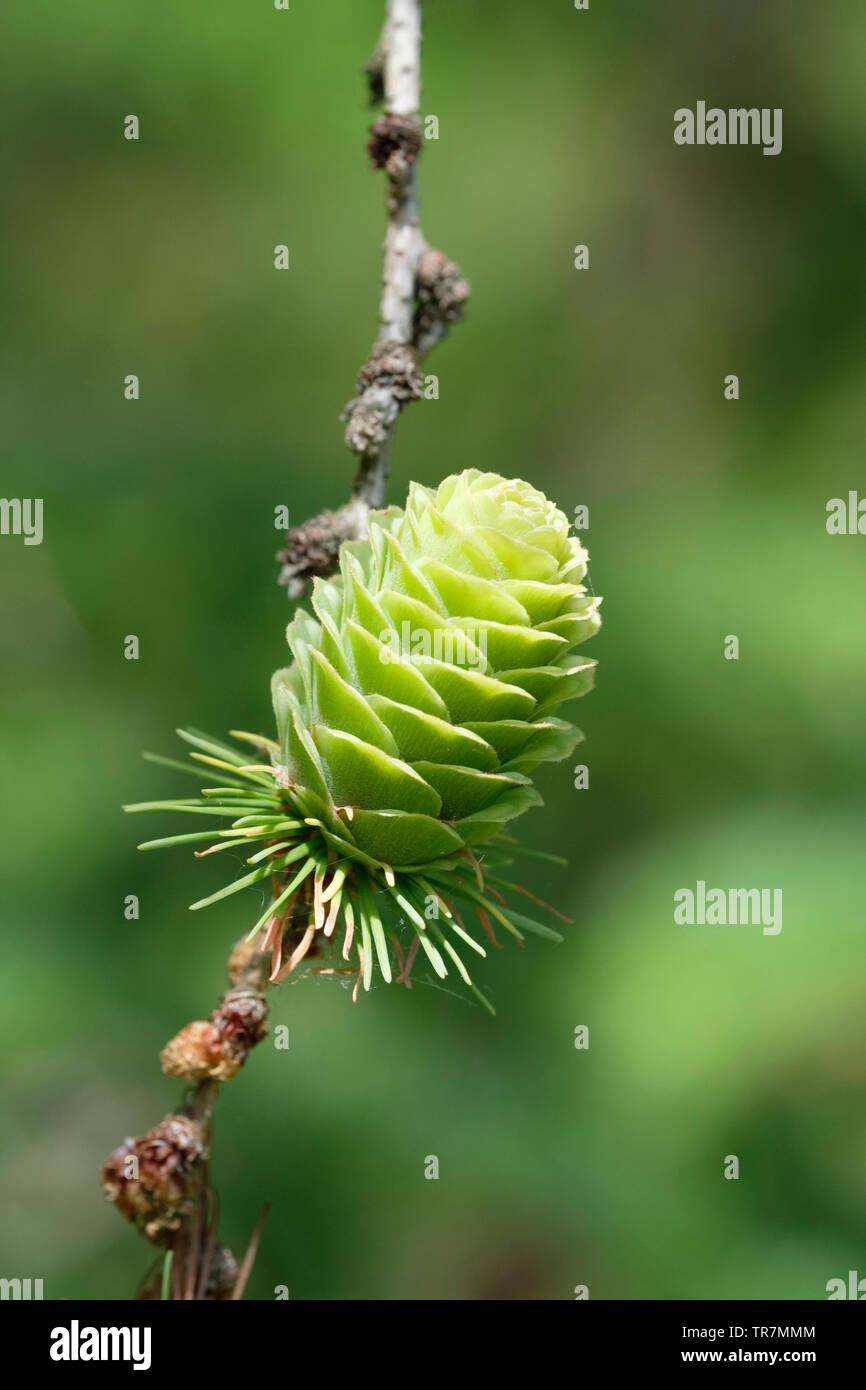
(393, 368)
(313, 548)
(395, 142)
(368, 425)
(223, 1274)
(152, 1180)
(244, 954)
(218, 1049)
(389, 378)
(441, 282)
(240, 1020)
(192, 1053)
(442, 297)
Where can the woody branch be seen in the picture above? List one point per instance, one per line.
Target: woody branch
(423, 293)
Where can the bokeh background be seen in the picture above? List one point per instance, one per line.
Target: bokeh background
(707, 518)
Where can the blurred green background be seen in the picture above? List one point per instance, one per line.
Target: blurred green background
(605, 388)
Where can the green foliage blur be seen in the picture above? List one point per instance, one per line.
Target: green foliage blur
(604, 387)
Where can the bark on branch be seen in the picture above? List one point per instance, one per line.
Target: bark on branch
(423, 293)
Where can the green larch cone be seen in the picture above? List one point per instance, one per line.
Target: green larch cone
(423, 691)
(421, 695)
